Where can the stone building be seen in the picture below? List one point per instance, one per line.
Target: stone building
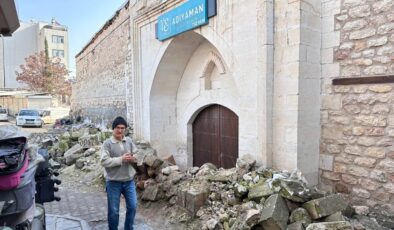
(297, 84)
(102, 65)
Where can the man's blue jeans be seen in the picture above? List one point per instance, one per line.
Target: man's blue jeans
(114, 189)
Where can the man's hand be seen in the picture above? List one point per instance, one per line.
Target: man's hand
(129, 158)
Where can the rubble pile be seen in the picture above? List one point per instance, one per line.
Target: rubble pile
(244, 197)
(250, 197)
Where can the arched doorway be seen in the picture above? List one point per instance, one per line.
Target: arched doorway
(215, 137)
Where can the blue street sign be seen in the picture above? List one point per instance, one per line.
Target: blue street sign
(185, 17)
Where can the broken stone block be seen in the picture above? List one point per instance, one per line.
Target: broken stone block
(252, 217)
(226, 175)
(340, 225)
(260, 190)
(300, 215)
(293, 190)
(247, 162)
(193, 170)
(206, 169)
(361, 210)
(325, 206)
(168, 170)
(73, 154)
(266, 173)
(335, 217)
(80, 163)
(152, 161)
(275, 213)
(195, 198)
(175, 177)
(169, 158)
(240, 191)
(296, 226)
(229, 198)
(63, 146)
(212, 224)
(150, 193)
(88, 141)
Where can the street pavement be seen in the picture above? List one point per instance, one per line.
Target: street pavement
(81, 211)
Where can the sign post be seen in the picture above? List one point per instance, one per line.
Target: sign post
(185, 17)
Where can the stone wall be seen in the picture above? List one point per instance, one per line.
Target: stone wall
(102, 66)
(357, 154)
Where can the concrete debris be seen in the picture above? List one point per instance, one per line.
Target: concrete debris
(247, 196)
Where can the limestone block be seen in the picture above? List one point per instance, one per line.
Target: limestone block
(378, 175)
(354, 150)
(275, 214)
(377, 41)
(355, 25)
(386, 28)
(326, 162)
(332, 102)
(369, 53)
(360, 11)
(389, 187)
(366, 141)
(332, 176)
(365, 162)
(369, 184)
(376, 152)
(325, 206)
(385, 50)
(361, 210)
(340, 120)
(381, 195)
(382, 6)
(358, 131)
(362, 62)
(340, 168)
(382, 59)
(353, 109)
(340, 225)
(374, 131)
(361, 193)
(357, 171)
(346, 46)
(348, 179)
(332, 148)
(380, 88)
(349, 71)
(381, 109)
(374, 121)
(387, 165)
(361, 34)
(375, 70)
(353, 3)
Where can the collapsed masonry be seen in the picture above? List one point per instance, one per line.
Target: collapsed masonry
(244, 197)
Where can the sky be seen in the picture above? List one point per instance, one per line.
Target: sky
(82, 17)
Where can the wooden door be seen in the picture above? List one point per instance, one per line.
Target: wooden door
(215, 137)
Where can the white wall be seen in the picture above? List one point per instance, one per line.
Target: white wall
(22, 44)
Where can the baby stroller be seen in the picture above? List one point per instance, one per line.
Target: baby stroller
(19, 166)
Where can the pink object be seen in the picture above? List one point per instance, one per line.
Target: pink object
(11, 181)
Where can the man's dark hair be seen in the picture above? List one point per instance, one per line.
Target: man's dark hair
(119, 121)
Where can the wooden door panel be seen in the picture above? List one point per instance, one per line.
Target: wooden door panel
(215, 137)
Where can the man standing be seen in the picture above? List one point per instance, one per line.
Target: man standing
(117, 158)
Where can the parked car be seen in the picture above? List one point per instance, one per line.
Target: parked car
(29, 117)
(47, 117)
(3, 114)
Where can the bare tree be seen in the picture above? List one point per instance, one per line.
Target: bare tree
(43, 74)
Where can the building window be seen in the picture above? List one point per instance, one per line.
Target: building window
(57, 39)
(58, 53)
